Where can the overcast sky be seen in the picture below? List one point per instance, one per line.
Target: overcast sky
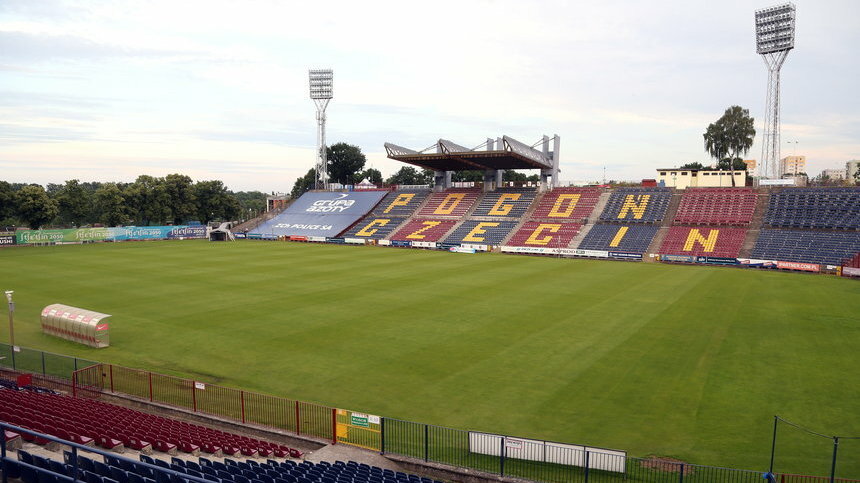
(105, 91)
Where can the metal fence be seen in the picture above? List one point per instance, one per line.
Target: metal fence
(490, 453)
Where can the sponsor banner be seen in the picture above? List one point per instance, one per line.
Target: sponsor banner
(757, 263)
(54, 236)
(462, 250)
(111, 234)
(537, 250)
(255, 236)
(851, 271)
(384, 243)
(625, 255)
(718, 260)
(322, 214)
(196, 231)
(572, 252)
(776, 182)
(335, 240)
(317, 239)
(547, 452)
(7, 240)
(269, 236)
(479, 248)
(446, 245)
(424, 244)
(354, 241)
(239, 235)
(298, 238)
(401, 243)
(678, 258)
(806, 267)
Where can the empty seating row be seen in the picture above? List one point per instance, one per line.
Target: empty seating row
(717, 206)
(453, 202)
(374, 227)
(86, 421)
(509, 203)
(545, 234)
(573, 204)
(830, 248)
(114, 469)
(829, 208)
(703, 241)
(482, 232)
(623, 238)
(400, 203)
(424, 230)
(637, 205)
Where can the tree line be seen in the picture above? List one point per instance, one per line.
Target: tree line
(170, 200)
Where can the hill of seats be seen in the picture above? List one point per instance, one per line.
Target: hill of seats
(637, 205)
(505, 202)
(455, 203)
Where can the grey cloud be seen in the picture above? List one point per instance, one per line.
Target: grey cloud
(22, 46)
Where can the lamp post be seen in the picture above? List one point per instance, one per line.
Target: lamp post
(11, 319)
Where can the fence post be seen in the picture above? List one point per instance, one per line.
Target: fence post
(242, 398)
(426, 443)
(150, 386)
(333, 426)
(587, 456)
(3, 463)
(74, 385)
(43, 364)
(76, 363)
(502, 456)
(833, 465)
(194, 396)
(298, 420)
(382, 435)
(773, 443)
(110, 369)
(681, 474)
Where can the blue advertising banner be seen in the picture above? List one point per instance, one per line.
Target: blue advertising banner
(678, 258)
(322, 214)
(718, 260)
(401, 243)
(626, 255)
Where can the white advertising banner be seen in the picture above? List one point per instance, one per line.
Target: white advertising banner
(557, 453)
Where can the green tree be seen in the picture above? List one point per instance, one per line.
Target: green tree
(34, 207)
(110, 205)
(475, 175)
(7, 204)
(181, 195)
(215, 202)
(345, 163)
(516, 176)
(410, 175)
(75, 203)
(730, 137)
(371, 174)
(695, 165)
(147, 200)
(304, 183)
(252, 202)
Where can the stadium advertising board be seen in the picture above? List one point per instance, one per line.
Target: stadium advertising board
(462, 250)
(547, 452)
(56, 236)
(678, 258)
(384, 243)
(805, 267)
(318, 239)
(757, 263)
(625, 255)
(82, 235)
(339, 241)
(400, 243)
(239, 235)
(479, 248)
(566, 252)
(423, 244)
(851, 271)
(354, 241)
(322, 213)
(7, 239)
(717, 260)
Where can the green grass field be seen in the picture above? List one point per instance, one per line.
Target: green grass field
(681, 361)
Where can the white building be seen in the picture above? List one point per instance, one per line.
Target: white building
(851, 168)
(700, 178)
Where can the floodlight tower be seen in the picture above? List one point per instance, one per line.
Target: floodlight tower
(321, 92)
(774, 37)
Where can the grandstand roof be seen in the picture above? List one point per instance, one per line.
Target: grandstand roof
(453, 157)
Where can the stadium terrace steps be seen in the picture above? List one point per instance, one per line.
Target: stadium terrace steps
(400, 204)
(637, 205)
(825, 247)
(823, 208)
(481, 232)
(545, 234)
(424, 230)
(567, 204)
(583, 232)
(504, 203)
(716, 206)
(602, 201)
(374, 227)
(633, 238)
(704, 241)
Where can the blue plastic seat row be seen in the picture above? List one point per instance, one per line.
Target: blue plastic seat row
(627, 238)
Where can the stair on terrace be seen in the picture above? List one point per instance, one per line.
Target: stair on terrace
(657, 242)
(756, 224)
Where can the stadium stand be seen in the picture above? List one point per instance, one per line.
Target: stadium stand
(571, 204)
(423, 229)
(400, 204)
(545, 234)
(824, 247)
(637, 205)
(826, 208)
(706, 241)
(506, 202)
(374, 227)
(113, 469)
(454, 202)
(626, 238)
(482, 232)
(87, 421)
(717, 206)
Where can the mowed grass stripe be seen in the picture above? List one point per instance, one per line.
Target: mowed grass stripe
(690, 362)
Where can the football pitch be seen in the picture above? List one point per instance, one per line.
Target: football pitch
(686, 362)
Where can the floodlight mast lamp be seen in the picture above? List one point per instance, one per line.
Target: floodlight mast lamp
(774, 32)
(321, 81)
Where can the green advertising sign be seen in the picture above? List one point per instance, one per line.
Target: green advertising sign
(54, 236)
(357, 419)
